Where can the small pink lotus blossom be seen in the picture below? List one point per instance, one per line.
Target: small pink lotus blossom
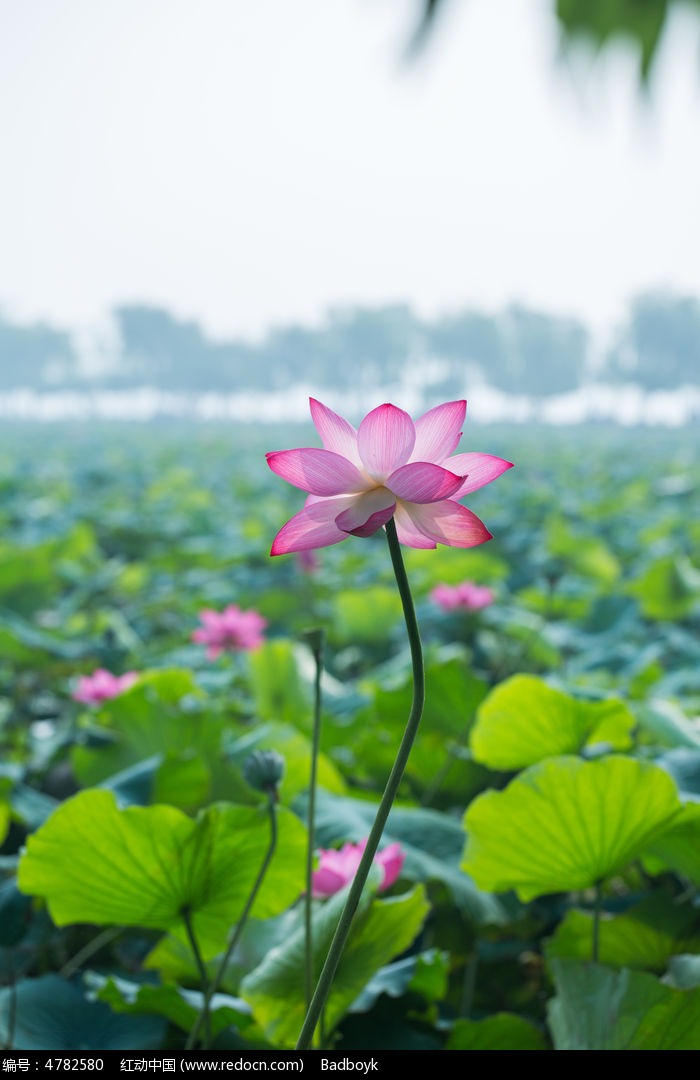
(229, 629)
(337, 868)
(464, 597)
(390, 467)
(102, 685)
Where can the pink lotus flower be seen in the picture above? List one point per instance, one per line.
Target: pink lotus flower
(464, 597)
(389, 467)
(102, 685)
(229, 629)
(337, 868)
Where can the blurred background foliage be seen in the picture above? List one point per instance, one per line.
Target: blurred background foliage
(598, 23)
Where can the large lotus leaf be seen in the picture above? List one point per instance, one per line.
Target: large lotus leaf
(599, 1009)
(677, 848)
(144, 866)
(644, 937)
(524, 720)
(184, 781)
(504, 1031)
(175, 1003)
(382, 929)
(51, 1013)
(432, 844)
(566, 823)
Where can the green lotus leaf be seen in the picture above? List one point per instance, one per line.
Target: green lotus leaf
(146, 866)
(504, 1031)
(669, 588)
(178, 1005)
(51, 1013)
(425, 973)
(524, 720)
(677, 848)
(382, 930)
(644, 937)
(599, 1009)
(567, 824)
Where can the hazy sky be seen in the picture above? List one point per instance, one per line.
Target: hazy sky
(250, 164)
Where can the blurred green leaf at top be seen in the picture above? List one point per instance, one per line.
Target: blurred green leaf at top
(597, 22)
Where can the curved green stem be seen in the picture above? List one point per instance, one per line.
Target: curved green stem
(325, 981)
(212, 988)
(103, 938)
(194, 945)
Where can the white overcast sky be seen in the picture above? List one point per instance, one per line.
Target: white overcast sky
(248, 164)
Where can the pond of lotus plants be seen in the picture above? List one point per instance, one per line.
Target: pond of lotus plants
(170, 875)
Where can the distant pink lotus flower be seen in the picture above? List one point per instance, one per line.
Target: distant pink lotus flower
(389, 467)
(230, 629)
(337, 868)
(464, 597)
(102, 685)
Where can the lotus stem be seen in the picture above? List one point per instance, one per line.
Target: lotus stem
(102, 939)
(213, 987)
(335, 951)
(194, 945)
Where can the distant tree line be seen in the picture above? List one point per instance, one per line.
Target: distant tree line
(517, 350)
